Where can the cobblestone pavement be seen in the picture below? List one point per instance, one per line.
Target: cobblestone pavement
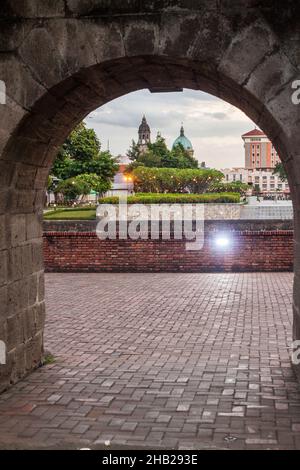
(188, 361)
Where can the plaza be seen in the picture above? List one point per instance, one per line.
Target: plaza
(164, 360)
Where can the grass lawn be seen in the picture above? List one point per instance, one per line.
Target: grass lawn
(79, 213)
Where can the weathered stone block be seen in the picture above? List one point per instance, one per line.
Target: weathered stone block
(6, 172)
(21, 87)
(25, 176)
(37, 256)
(3, 266)
(10, 117)
(14, 331)
(17, 227)
(17, 297)
(34, 228)
(41, 286)
(2, 232)
(239, 62)
(39, 316)
(3, 303)
(269, 77)
(15, 264)
(29, 9)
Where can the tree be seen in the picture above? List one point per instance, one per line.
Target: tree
(72, 188)
(133, 152)
(181, 158)
(81, 185)
(81, 153)
(280, 171)
(157, 155)
(82, 144)
(96, 183)
(160, 150)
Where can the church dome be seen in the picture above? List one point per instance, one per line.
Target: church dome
(183, 140)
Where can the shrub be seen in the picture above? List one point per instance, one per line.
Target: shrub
(173, 180)
(155, 198)
(72, 188)
(232, 187)
(81, 185)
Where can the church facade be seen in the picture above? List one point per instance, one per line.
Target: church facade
(144, 138)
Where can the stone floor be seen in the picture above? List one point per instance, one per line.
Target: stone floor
(188, 361)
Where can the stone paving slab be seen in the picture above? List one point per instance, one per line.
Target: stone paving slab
(185, 361)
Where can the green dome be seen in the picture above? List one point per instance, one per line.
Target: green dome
(183, 140)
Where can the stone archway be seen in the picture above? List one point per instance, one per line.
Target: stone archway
(62, 59)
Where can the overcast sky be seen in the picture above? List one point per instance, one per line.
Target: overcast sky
(213, 126)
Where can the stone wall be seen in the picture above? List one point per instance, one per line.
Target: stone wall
(247, 251)
(62, 59)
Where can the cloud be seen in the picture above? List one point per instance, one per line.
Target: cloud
(217, 115)
(214, 126)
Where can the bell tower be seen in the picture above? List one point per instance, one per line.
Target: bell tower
(144, 135)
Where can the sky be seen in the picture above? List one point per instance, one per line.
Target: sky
(213, 126)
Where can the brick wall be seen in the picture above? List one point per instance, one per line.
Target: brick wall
(247, 251)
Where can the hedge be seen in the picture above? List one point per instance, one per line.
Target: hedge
(174, 180)
(156, 198)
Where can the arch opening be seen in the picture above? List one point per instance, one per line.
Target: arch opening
(29, 153)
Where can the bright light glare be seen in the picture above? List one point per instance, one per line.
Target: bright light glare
(222, 241)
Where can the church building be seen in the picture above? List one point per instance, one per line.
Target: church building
(144, 135)
(184, 141)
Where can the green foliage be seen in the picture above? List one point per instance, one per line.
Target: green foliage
(134, 152)
(155, 198)
(49, 182)
(96, 183)
(48, 358)
(280, 171)
(81, 153)
(173, 180)
(181, 158)
(78, 213)
(159, 156)
(232, 187)
(72, 188)
(83, 184)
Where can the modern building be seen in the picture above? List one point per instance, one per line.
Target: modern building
(184, 141)
(260, 153)
(264, 179)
